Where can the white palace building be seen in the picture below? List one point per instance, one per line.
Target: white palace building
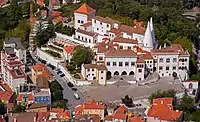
(125, 50)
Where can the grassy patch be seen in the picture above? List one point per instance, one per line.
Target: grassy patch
(54, 54)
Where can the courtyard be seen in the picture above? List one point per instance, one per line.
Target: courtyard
(118, 90)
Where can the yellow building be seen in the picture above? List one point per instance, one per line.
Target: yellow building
(90, 108)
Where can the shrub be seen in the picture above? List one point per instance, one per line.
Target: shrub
(77, 76)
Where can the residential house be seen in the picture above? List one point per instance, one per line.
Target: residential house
(90, 108)
(191, 86)
(68, 51)
(6, 97)
(162, 111)
(37, 107)
(43, 96)
(25, 98)
(22, 117)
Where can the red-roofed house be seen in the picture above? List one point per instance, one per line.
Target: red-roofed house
(25, 98)
(64, 116)
(162, 111)
(82, 15)
(68, 51)
(5, 97)
(90, 108)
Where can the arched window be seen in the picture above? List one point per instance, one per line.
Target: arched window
(116, 73)
(190, 86)
(124, 73)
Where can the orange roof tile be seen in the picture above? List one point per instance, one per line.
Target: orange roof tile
(122, 109)
(115, 31)
(40, 2)
(39, 67)
(64, 115)
(109, 117)
(87, 24)
(92, 105)
(5, 86)
(135, 119)
(79, 109)
(120, 116)
(164, 112)
(85, 9)
(57, 110)
(125, 40)
(147, 56)
(130, 30)
(70, 49)
(4, 95)
(29, 95)
(140, 59)
(56, 13)
(42, 116)
(165, 100)
(120, 53)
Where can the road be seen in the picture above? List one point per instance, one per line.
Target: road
(67, 91)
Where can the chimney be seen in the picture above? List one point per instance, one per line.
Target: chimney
(15, 119)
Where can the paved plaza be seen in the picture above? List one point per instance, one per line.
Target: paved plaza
(116, 92)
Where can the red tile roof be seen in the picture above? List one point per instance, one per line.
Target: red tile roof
(109, 117)
(85, 9)
(92, 105)
(115, 31)
(87, 24)
(89, 33)
(57, 110)
(3, 2)
(165, 100)
(56, 13)
(130, 30)
(120, 53)
(40, 2)
(39, 67)
(4, 95)
(42, 116)
(29, 95)
(5, 86)
(140, 59)
(15, 73)
(164, 112)
(147, 56)
(125, 40)
(135, 118)
(121, 113)
(14, 63)
(64, 115)
(70, 49)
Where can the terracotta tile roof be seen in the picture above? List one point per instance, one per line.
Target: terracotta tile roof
(87, 24)
(85, 9)
(164, 112)
(89, 33)
(120, 116)
(54, 2)
(105, 20)
(39, 67)
(40, 2)
(120, 53)
(140, 59)
(37, 105)
(147, 56)
(99, 67)
(22, 117)
(109, 117)
(16, 73)
(79, 109)
(4, 95)
(5, 86)
(3, 2)
(14, 63)
(115, 31)
(56, 13)
(30, 97)
(190, 81)
(42, 116)
(57, 110)
(101, 48)
(42, 81)
(135, 118)
(64, 115)
(125, 40)
(122, 109)
(130, 30)
(165, 100)
(70, 49)
(92, 105)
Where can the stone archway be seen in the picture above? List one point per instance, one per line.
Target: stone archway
(116, 73)
(124, 73)
(131, 73)
(108, 75)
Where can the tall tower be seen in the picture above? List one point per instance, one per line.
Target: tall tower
(152, 31)
(148, 41)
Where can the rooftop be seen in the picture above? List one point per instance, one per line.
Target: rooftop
(37, 105)
(5, 95)
(125, 40)
(120, 53)
(22, 117)
(105, 20)
(165, 100)
(85, 9)
(70, 49)
(5, 86)
(39, 67)
(89, 33)
(29, 96)
(99, 67)
(16, 41)
(130, 30)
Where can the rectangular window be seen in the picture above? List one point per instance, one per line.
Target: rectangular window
(100, 58)
(132, 63)
(101, 77)
(129, 47)
(174, 68)
(120, 64)
(114, 63)
(147, 61)
(126, 63)
(94, 21)
(78, 37)
(120, 47)
(161, 59)
(139, 70)
(100, 23)
(167, 68)
(79, 21)
(101, 71)
(174, 60)
(97, 28)
(108, 63)
(89, 40)
(150, 61)
(107, 25)
(168, 60)
(92, 69)
(88, 70)
(160, 68)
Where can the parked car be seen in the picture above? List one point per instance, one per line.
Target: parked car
(76, 96)
(74, 89)
(59, 72)
(70, 84)
(62, 75)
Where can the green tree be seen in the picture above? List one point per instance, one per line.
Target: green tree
(82, 55)
(18, 108)
(127, 101)
(56, 91)
(161, 94)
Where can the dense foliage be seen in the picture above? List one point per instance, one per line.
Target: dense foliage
(82, 55)
(128, 101)
(18, 108)
(3, 108)
(56, 91)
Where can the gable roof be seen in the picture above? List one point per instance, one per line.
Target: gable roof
(105, 20)
(29, 95)
(165, 100)
(89, 33)
(69, 49)
(85, 9)
(130, 30)
(125, 40)
(120, 53)
(4, 95)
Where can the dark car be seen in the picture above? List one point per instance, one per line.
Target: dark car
(74, 89)
(59, 72)
(62, 75)
(70, 84)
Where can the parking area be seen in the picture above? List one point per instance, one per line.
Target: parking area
(116, 92)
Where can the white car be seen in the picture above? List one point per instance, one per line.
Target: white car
(76, 96)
